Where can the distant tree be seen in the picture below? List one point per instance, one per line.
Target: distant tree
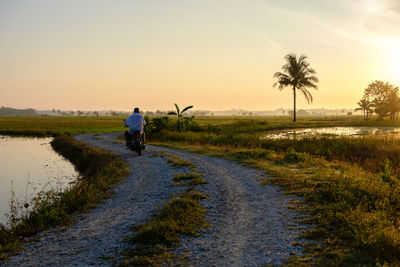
(96, 113)
(298, 74)
(303, 112)
(384, 98)
(159, 112)
(80, 113)
(393, 103)
(366, 107)
(182, 121)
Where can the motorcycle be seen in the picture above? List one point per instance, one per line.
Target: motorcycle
(135, 142)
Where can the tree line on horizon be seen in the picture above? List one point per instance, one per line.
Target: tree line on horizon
(380, 98)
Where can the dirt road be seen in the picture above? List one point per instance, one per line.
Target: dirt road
(251, 225)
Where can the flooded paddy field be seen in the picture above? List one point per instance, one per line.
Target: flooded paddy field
(29, 166)
(333, 132)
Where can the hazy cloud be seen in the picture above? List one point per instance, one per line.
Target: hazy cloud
(271, 43)
(383, 18)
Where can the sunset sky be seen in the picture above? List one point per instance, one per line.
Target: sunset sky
(213, 54)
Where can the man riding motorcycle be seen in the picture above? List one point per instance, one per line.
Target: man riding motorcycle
(136, 123)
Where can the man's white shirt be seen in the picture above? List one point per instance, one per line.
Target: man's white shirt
(136, 122)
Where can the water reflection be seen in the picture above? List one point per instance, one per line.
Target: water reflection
(333, 131)
(29, 166)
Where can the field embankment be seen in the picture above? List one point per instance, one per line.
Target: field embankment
(99, 170)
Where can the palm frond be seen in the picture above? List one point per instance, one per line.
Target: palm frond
(188, 107)
(172, 113)
(177, 108)
(313, 79)
(308, 83)
(307, 95)
(302, 58)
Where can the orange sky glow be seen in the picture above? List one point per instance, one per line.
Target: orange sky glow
(213, 54)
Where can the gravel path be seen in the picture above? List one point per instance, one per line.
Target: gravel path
(251, 225)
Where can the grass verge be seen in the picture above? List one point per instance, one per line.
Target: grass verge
(183, 214)
(99, 170)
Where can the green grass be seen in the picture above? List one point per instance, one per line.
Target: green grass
(99, 169)
(178, 162)
(178, 177)
(54, 126)
(278, 121)
(376, 123)
(189, 179)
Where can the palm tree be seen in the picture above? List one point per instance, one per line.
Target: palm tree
(298, 74)
(366, 107)
(181, 117)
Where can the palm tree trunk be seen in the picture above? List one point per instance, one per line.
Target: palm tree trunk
(294, 103)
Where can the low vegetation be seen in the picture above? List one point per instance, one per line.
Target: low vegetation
(189, 179)
(182, 121)
(349, 186)
(178, 162)
(99, 170)
(369, 152)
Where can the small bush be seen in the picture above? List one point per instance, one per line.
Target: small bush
(292, 156)
(157, 124)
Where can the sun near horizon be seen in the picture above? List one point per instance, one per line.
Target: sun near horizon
(97, 55)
